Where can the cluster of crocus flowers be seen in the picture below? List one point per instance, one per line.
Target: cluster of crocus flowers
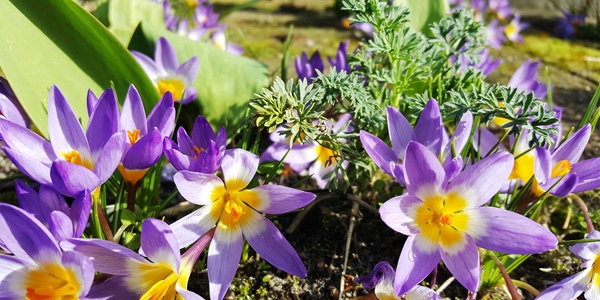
(167, 74)
(486, 64)
(382, 280)
(568, 25)
(236, 212)
(307, 68)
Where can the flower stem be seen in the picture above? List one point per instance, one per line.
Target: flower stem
(526, 287)
(131, 189)
(96, 227)
(584, 211)
(514, 295)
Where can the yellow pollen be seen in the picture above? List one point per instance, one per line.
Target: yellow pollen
(563, 167)
(444, 220)
(325, 155)
(52, 282)
(175, 86)
(74, 157)
(233, 208)
(440, 219)
(134, 136)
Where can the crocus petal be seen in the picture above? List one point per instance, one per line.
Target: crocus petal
(573, 147)
(423, 172)
(191, 227)
(414, 265)
(542, 164)
(179, 160)
(588, 172)
(26, 141)
(11, 112)
(268, 241)
(189, 95)
(239, 167)
(133, 115)
(224, 256)
(12, 267)
(159, 244)
(145, 152)
(149, 66)
(71, 179)
(452, 167)
(80, 266)
(30, 201)
(398, 172)
(197, 187)
(587, 251)
(113, 288)
(165, 55)
(189, 69)
(80, 212)
(429, 129)
(187, 295)
(398, 212)
(381, 271)
(568, 288)
(461, 135)
(53, 199)
(163, 116)
(464, 264)
(65, 131)
(26, 237)
(561, 187)
(60, 225)
(479, 182)
(202, 133)
(400, 131)
(103, 123)
(380, 152)
(421, 292)
(110, 156)
(276, 199)
(34, 169)
(108, 257)
(184, 142)
(92, 100)
(484, 141)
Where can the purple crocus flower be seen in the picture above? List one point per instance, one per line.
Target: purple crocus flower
(479, 7)
(220, 41)
(366, 28)
(585, 281)
(306, 69)
(486, 64)
(37, 268)
(514, 28)
(495, 34)
(10, 108)
(193, 33)
(429, 131)
(202, 152)
(524, 79)
(563, 168)
(501, 8)
(446, 220)
(236, 211)
(74, 160)
(568, 24)
(167, 74)
(145, 135)
(50, 208)
(162, 274)
(382, 280)
(340, 63)
(205, 17)
(169, 16)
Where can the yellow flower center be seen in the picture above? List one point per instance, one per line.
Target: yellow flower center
(175, 86)
(133, 135)
(523, 167)
(562, 168)
(441, 219)
(192, 3)
(325, 155)
(52, 282)
(153, 281)
(231, 205)
(74, 157)
(510, 29)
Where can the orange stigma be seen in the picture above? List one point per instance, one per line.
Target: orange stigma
(133, 135)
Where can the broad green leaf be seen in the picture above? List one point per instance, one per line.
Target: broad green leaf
(57, 42)
(425, 12)
(125, 15)
(225, 82)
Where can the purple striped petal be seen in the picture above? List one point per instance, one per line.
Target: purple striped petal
(461, 135)
(429, 129)
(573, 147)
(71, 179)
(568, 288)
(159, 244)
(268, 241)
(413, 266)
(34, 169)
(193, 226)
(133, 115)
(452, 167)
(80, 212)
(108, 257)
(162, 116)
(479, 182)
(189, 69)
(113, 288)
(110, 156)
(561, 187)
(26, 141)
(26, 237)
(165, 56)
(398, 173)
(37, 204)
(401, 133)
(197, 187)
(423, 172)
(149, 66)
(239, 167)
(60, 225)
(421, 293)
(104, 121)
(11, 112)
(179, 160)
(145, 152)
(381, 271)
(380, 153)
(277, 199)
(53, 199)
(484, 141)
(82, 268)
(464, 265)
(588, 172)
(224, 256)
(542, 164)
(12, 268)
(184, 142)
(519, 236)
(202, 133)
(65, 131)
(397, 213)
(587, 251)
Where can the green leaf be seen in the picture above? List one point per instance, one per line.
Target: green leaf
(425, 12)
(58, 42)
(125, 15)
(127, 217)
(225, 83)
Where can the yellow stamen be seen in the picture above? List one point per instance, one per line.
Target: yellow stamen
(52, 282)
(441, 220)
(133, 135)
(175, 86)
(197, 151)
(563, 167)
(74, 157)
(231, 205)
(153, 281)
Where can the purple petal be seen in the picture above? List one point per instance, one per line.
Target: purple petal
(414, 265)
(92, 100)
(104, 121)
(185, 144)
(401, 133)
(588, 172)
(568, 288)
(452, 167)
(223, 258)
(380, 153)
(113, 288)
(421, 293)
(573, 147)
(179, 160)
(71, 179)
(484, 141)
(34, 169)
(543, 164)
(519, 236)
(11, 268)
(109, 157)
(133, 115)
(398, 213)
(81, 267)
(189, 69)
(429, 129)
(26, 237)
(561, 187)
(276, 199)
(60, 225)
(40, 207)
(159, 244)
(423, 172)
(197, 187)
(193, 226)
(108, 257)
(145, 152)
(149, 66)
(80, 212)
(268, 241)
(464, 265)
(479, 182)
(461, 135)
(189, 95)
(239, 167)
(398, 173)
(381, 271)
(163, 116)
(202, 133)
(165, 56)
(187, 295)
(65, 131)
(11, 112)
(587, 251)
